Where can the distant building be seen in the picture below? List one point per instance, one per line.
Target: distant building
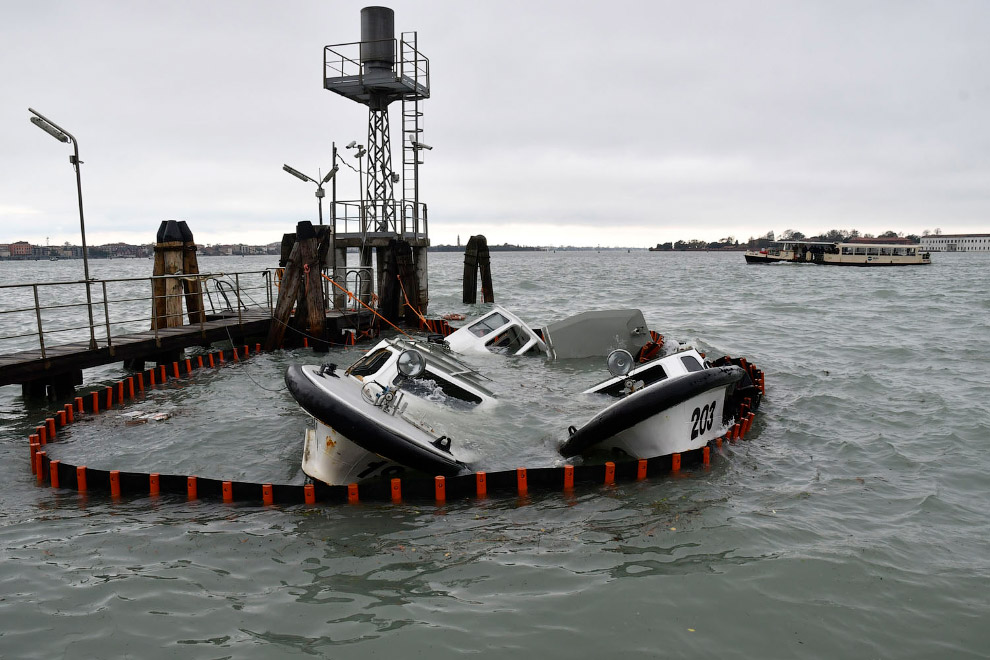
(20, 250)
(956, 242)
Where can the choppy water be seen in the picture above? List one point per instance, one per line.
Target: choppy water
(853, 523)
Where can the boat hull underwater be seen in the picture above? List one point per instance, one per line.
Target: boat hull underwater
(378, 419)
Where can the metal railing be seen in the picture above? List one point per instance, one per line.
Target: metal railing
(342, 63)
(349, 220)
(42, 311)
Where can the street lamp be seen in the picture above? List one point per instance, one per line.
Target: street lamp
(319, 184)
(359, 154)
(417, 147)
(62, 135)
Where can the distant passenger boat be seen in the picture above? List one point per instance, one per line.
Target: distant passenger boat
(840, 254)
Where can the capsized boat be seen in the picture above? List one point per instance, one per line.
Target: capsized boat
(390, 411)
(672, 404)
(373, 419)
(588, 334)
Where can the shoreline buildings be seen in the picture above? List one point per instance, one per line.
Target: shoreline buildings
(956, 242)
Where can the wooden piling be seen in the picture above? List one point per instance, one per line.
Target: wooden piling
(167, 292)
(302, 288)
(477, 257)
(175, 254)
(191, 285)
(390, 296)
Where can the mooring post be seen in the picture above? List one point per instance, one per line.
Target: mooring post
(476, 256)
(325, 259)
(485, 265)
(407, 277)
(313, 284)
(191, 284)
(470, 284)
(167, 292)
(389, 294)
(287, 292)
(301, 287)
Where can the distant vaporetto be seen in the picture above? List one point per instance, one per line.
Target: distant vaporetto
(851, 253)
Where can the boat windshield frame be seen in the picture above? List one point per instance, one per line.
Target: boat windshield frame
(482, 336)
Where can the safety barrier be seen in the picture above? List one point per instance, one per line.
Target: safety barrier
(520, 482)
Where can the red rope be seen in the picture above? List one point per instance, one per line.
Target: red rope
(353, 297)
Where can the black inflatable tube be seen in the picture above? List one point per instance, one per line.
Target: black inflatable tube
(648, 402)
(364, 433)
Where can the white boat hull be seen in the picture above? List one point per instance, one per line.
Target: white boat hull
(680, 428)
(332, 458)
(355, 440)
(669, 416)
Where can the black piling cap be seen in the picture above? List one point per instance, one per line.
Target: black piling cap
(170, 231)
(305, 230)
(186, 233)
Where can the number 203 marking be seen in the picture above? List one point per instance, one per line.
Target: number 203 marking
(704, 420)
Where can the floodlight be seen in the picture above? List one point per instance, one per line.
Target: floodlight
(48, 128)
(619, 362)
(411, 363)
(296, 173)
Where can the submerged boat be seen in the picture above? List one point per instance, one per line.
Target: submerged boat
(851, 253)
(669, 405)
(387, 413)
(589, 334)
(370, 420)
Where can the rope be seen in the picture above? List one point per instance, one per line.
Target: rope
(226, 327)
(409, 305)
(353, 297)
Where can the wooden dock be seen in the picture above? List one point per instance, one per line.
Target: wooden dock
(61, 366)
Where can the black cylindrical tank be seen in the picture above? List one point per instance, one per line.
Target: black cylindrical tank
(378, 37)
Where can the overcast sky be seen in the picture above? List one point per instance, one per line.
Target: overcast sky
(553, 123)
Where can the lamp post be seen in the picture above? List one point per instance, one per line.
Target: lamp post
(417, 146)
(359, 154)
(63, 135)
(319, 184)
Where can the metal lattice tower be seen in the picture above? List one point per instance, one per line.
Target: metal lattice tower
(376, 78)
(381, 201)
(375, 72)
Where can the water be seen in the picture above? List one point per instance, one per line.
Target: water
(852, 523)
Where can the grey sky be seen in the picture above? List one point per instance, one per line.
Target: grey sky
(611, 123)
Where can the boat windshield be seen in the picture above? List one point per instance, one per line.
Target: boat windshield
(370, 363)
(509, 341)
(488, 324)
(498, 331)
(691, 363)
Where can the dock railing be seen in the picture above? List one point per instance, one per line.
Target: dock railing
(45, 314)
